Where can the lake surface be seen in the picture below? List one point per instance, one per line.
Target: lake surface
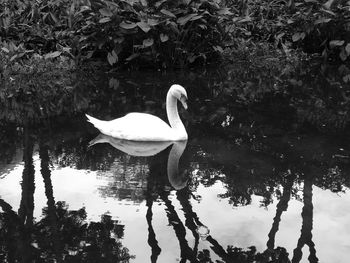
(248, 185)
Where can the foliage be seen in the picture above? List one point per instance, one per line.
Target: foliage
(314, 26)
(170, 34)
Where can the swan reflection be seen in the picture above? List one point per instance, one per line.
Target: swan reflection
(148, 148)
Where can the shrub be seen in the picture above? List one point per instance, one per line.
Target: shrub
(163, 33)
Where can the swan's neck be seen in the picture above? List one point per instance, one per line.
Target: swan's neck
(173, 116)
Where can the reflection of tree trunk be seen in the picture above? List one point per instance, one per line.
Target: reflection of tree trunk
(281, 207)
(306, 229)
(152, 241)
(51, 208)
(26, 208)
(191, 217)
(218, 249)
(25, 211)
(180, 231)
(155, 184)
(192, 222)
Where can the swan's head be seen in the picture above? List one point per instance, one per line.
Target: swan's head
(180, 93)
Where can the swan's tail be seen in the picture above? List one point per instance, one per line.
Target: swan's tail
(96, 122)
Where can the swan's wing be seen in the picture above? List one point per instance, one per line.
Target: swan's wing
(140, 127)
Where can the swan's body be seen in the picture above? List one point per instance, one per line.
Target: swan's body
(146, 127)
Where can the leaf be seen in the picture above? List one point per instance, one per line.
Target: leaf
(104, 20)
(21, 54)
(343, 69)
(5, 50)
(224, 11)
(148, 42)
(168, 13)
(144, 26)
(113, 83)
(218, 49)
(52, 54)
(54, 18)
(164, 37)
(133, 56)
(127, 25)
(322, 20)
(343, 55)
(191, 58)
(328, 4)
(153, 22)
(279, 36)
(106, 12)
(112, 58)
(196, 17)
(184, 19)
(329, 12)
(297, 36)
(119, 40)
(13, 57)
(347, 49)
(336, 43)
(346, 78)
(159, 3)
(246, 19)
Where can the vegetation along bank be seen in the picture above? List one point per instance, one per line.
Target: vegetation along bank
(46, 43)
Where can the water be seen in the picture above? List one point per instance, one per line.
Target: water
(245, 187)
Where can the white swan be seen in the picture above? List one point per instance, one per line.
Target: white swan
(146, 127)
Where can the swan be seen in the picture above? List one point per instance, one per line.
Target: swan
(137, 126)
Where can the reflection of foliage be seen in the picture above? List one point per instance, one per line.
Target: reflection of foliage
(127, 180)
(251, 255)
(61, 234)
(84, 241)
(258, 166)
(243, 172)
(333, 180)
(8, 143)
(289, 93)
(69, 237)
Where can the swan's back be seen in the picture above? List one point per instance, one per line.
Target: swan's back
(138, 127)
(145, 127)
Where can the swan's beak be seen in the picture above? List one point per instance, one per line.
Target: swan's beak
(183, 100)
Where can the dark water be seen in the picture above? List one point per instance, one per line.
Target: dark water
(250, 185)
